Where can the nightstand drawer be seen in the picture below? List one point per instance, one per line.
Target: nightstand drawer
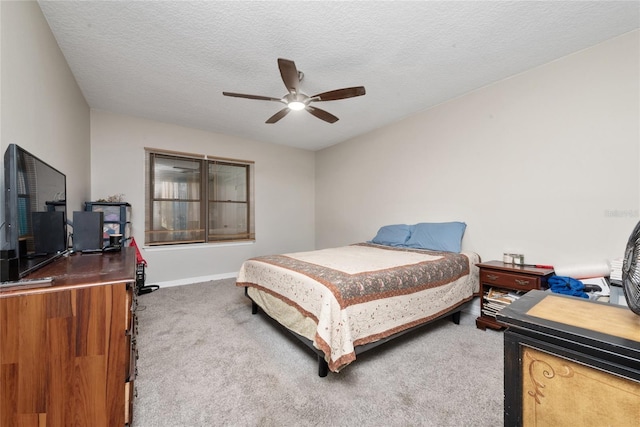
(509, 280)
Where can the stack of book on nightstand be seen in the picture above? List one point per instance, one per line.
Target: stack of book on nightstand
(496, 299)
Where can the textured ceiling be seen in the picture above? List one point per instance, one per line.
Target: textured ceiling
(171, 60)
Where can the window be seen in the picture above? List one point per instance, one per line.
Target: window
(197, 199)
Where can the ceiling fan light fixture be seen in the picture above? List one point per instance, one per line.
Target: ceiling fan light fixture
(296, 100)
(296, 105)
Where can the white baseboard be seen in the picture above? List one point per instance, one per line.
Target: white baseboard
(192, 280)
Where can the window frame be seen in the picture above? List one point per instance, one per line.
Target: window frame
(210, 202)
(206, 236)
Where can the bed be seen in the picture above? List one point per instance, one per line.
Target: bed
(342, 301)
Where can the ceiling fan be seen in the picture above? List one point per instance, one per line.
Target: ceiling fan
(296, 100)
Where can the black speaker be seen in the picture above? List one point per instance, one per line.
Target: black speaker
(49, 232)
(9, 264)
(87, 230)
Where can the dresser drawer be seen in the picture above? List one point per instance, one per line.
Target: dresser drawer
(510, 280)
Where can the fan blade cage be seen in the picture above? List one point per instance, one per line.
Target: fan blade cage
(631, 271)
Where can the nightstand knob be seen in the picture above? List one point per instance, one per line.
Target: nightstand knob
(492, 277)
(522, 282)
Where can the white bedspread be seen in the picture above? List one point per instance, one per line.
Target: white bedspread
(358, 294)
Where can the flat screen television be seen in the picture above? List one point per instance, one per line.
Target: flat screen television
(34, 232)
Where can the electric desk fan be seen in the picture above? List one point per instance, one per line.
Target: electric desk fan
(631, 271)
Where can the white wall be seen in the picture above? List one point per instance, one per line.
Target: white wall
(545, 163)
(42, 108)
(284, 191)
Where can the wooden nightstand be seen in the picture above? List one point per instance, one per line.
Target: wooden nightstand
(511, 279)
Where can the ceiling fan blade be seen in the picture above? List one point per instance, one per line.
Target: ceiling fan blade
(242, 95)
(277, 116)
(333, 95)
(289, 74)
(321, 114)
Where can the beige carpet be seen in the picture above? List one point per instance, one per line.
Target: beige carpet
(206, 361)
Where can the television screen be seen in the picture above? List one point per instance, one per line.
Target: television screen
(35, 228)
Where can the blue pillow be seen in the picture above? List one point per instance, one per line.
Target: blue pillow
(443, 236)
(393, 235)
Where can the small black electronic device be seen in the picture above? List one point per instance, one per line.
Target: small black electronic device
(9, 266)
(49, 232)
(87, 231)
(592, 288)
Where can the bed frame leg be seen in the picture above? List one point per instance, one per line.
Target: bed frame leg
(254, 306)
(455, 317)
(323, 367)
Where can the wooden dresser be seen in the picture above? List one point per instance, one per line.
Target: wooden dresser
(67, 350)
(570, 361)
